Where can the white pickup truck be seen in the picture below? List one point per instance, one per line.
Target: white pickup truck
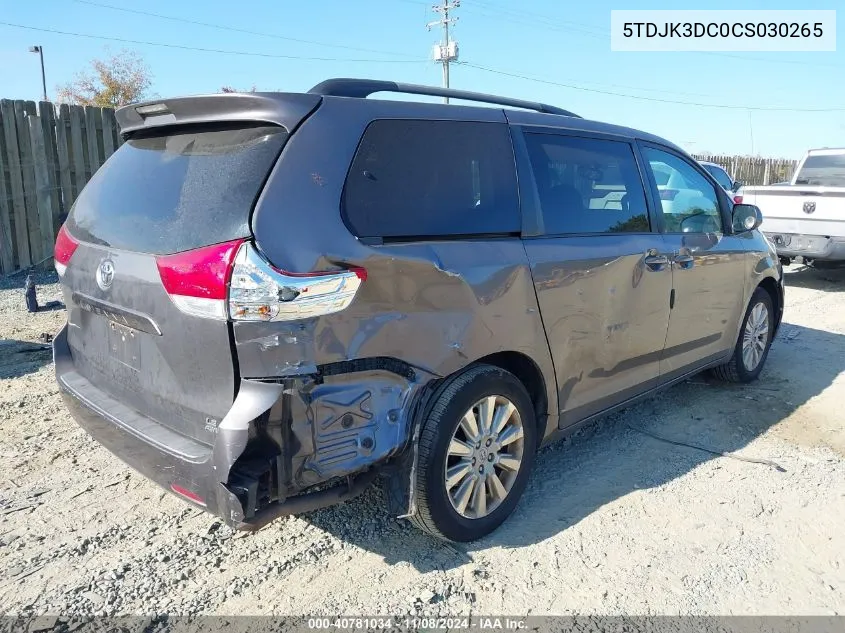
(807, 217)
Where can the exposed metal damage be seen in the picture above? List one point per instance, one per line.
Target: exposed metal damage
(315, 439)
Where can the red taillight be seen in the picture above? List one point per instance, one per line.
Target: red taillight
(65, 248)
(184, 492)
(737, 199)
(197, 280)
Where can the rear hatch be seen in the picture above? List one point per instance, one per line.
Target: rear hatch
(146, 253)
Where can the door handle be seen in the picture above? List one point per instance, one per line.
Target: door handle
(684, 260)
(655, 261)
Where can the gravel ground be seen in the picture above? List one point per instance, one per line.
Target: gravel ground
(614, 520)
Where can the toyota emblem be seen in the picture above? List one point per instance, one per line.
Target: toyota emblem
(105, 274)
(809, 207)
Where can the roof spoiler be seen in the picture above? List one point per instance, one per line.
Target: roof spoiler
(362, 88)
(285, 109)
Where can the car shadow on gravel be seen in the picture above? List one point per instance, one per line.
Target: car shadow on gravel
(19, 358)
(832, 280)
(619, 454)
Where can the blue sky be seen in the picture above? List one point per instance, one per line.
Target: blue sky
(556, 42)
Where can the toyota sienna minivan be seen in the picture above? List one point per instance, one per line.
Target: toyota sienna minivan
(274, 298)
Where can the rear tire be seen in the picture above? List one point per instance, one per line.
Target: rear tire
(480, 428)
(754, 342)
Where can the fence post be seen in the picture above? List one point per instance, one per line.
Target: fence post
(109, 133)
(7, 252)
(43, 190)
(23, 109)
(16, 183)
(63, 151)
(92, 116)
(78, 154)
(48, 123)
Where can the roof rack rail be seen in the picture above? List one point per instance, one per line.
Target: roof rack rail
(362, 88)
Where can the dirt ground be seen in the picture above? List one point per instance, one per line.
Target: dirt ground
(614, 521)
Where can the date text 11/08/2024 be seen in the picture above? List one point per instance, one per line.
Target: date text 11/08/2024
(411, 623)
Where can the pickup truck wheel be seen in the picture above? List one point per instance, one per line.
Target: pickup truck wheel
(755, 339)
(476, 449)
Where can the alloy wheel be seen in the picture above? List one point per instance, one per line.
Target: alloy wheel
(755, 337)
(484, 457)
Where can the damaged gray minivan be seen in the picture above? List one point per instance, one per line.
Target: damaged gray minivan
(273, 298)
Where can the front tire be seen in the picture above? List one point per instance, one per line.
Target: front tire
(755, 340)
(476, 449)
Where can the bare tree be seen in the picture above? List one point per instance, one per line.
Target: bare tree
(121, 79)
(231, 89)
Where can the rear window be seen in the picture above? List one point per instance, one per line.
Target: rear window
(823, 171)
(417, 179)
(166, 193)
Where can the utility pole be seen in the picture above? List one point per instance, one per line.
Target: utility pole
(40, 51)
(447, 50)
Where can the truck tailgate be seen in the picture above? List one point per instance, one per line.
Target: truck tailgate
(800, 209)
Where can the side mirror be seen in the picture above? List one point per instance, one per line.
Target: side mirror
(737, 186)
(746, 217)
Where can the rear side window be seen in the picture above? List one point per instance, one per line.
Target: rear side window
(823, 170)
(175, 191)
(587, 185)
(417, 179)
(720, 175)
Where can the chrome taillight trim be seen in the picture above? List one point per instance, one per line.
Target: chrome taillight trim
(260, 292)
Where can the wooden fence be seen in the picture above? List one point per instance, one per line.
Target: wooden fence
(754, 170)
(47, 154)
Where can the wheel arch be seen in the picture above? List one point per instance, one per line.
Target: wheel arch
(529, 374)
(771, 286)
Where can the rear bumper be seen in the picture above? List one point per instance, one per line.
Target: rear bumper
(811, 246)
(160, 454)
(244, 478)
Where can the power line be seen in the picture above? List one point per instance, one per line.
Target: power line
(211, 50)
(525, 18)
(653, 99)
(538, 16)
(238, 30)
(519, 16)
(775, 61)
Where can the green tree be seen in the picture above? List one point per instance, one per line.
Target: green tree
(118, 80)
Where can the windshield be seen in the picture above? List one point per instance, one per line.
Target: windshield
(720, 175)
(823, 170)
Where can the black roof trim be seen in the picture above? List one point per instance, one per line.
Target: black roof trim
(362, 88)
